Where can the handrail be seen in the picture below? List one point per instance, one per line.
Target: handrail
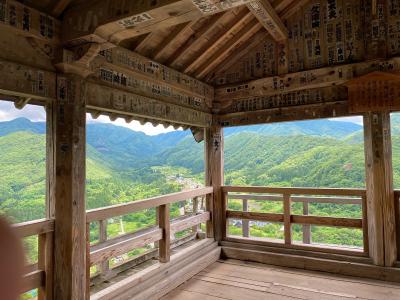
(305, 196)
(303, 199)
(127, 208)
(38, 275)
(36, 227)
(295, 190)
(106, 249)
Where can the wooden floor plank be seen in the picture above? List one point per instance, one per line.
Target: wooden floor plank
(236, 280)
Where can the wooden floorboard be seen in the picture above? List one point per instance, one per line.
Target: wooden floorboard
(236, 280)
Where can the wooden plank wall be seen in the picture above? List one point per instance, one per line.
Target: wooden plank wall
(321, 33)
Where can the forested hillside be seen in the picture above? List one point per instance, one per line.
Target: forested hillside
(123, 165)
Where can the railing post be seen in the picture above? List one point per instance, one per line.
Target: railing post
(45, 262)
(195, 203)
(287, 219)
(306, 227)
(245, 223)
(87, 230)
(104, 267)
(365, 223)
(164, 223)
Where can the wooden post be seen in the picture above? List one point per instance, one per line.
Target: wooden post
(46, 241)
(164, 223)
(306, 227)
(287, 217)
(195, 203)
(70, 217)
(380, 193)
(104, 267)
(214, 158)
(245, 223)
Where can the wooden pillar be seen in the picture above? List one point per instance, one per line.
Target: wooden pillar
(380, 194)
(70, 217)
(214, 160)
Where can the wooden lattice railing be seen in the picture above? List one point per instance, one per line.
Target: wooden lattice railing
(39, 276)
(106, 249)
(306, 196)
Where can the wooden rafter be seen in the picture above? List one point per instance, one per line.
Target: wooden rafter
(212, 25)
(259, 38)
(126, 20)
(292, 9)
(266, 14)
(242, 36)
(60, 6)
(171, 38)
(226, 32)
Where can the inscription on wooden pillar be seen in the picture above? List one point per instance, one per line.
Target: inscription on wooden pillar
(70, 218)
(214, 151)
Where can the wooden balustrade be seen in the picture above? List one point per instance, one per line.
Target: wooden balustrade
(106, 249)
(306, 196)
(39, 276)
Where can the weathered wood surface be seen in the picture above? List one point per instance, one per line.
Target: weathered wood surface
(70, 218)
(127, 208)
(146, 278)
(295, 190)
(36, 227)
(214, 174)
(380, 193)
(112, 21)
(236, 280)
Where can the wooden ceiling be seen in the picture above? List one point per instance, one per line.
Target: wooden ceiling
(201, 46)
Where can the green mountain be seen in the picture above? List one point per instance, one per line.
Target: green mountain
(124, 165)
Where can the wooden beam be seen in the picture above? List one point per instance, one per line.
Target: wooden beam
(294, 7)
(380, 193)
(70, 215)
(124, 103)
(29, 22)
(26, 82)
(128, 71)
(214, 176)
(313, 79)
(266, 14)
(285, 114)
(111, 21)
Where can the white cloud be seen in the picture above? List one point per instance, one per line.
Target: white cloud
(38, 114)
(148, 128)
(357, 120)
(32, 112)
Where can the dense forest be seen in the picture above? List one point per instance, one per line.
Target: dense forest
(124, 165)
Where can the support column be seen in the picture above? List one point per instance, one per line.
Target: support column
(70, 218)
(214, 161)
(380, 193)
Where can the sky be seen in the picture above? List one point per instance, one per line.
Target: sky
(37, 113)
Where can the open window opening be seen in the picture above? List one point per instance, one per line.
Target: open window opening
(312, 179)
(130, 162)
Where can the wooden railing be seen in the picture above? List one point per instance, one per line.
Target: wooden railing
(39, 276)
(106, 249)
(306, 196)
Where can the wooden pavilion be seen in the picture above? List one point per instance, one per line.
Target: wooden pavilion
(206, 65)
